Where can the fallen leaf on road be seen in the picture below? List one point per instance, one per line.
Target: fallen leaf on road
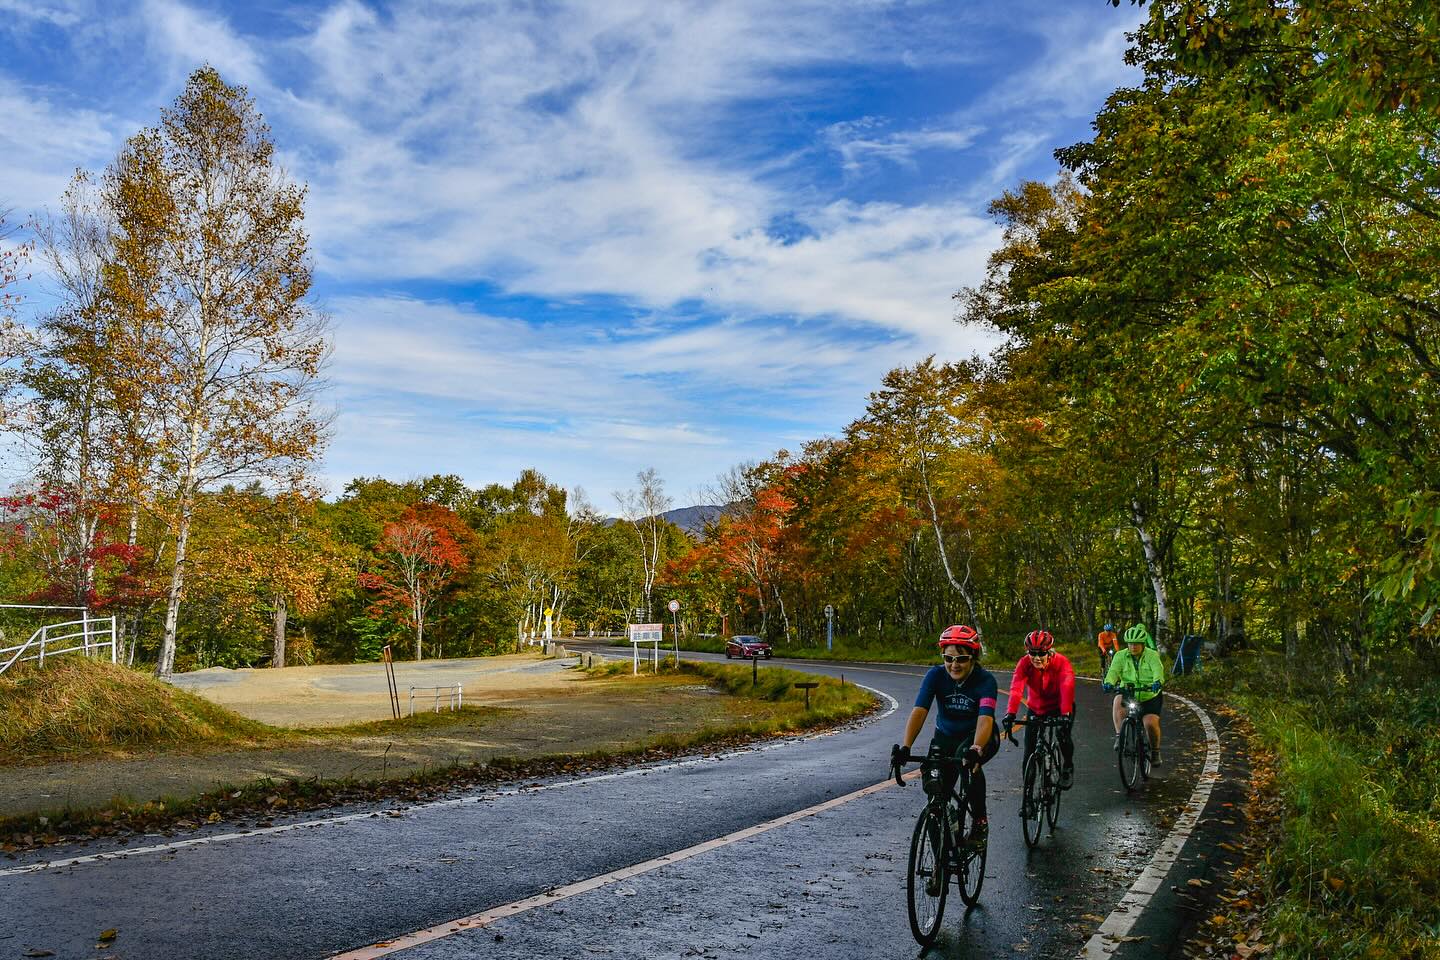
(36, 952)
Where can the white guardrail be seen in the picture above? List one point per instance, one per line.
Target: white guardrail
(451, 694)
(54, 639)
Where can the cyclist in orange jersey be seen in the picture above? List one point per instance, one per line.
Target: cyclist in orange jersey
(1109, 644)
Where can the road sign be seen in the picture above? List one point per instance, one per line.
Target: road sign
(829, 612)
(674, 606)
(651, 633)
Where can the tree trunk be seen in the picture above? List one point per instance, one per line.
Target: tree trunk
(166, 666)
(784, 617)
(282, 613)
(1154, 568)
(962, 587)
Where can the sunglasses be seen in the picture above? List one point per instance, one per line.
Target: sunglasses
(956, 657)
(1040, 656)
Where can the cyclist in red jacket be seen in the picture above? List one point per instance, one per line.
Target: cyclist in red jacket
(1050, 678)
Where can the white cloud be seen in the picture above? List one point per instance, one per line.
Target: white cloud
(617, 149)
(184, 38)
(42, 141)
(860, 141)
(58, 14)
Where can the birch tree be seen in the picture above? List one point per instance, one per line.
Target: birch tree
(224, 274)
(641, 508)
(919, 416)
(13, 339)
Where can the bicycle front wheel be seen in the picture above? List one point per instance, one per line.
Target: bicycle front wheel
(972, 874)
(1130, 757)
(1032, 804)
(928, 881)
(1052, 788)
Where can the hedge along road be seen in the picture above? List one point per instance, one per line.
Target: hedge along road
(829, 884)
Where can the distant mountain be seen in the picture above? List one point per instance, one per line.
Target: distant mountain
(690, 519)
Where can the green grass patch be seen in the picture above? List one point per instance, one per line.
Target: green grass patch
(1002, 650)
(1354, 870)
(767, 700)
(445, 721)
(76, 707)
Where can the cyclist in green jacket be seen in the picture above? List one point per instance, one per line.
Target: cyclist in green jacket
(1139, 667)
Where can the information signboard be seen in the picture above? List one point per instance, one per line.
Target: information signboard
(650, 633)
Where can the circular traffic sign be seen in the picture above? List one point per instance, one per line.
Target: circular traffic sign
(829, 611)
(674, 606)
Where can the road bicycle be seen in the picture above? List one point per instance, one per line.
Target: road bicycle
(1132, 749)
(938, 849)
(1040, 799)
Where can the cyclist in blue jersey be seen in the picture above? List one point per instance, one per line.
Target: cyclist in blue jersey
(965, 725)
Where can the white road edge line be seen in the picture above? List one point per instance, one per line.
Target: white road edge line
(485, 918)
(1122, 919)
(121, 854)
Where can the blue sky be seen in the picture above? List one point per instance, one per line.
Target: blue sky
(599, 236)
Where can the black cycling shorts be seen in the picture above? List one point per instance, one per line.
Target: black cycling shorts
(1153, 706)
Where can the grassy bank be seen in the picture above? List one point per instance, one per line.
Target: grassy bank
(1352, 867)
(76, 707)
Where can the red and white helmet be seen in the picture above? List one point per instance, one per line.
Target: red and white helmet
(960, 635)
(1039, 641)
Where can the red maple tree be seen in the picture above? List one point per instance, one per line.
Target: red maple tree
(417, 559)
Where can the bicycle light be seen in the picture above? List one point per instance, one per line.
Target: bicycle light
(934, 780)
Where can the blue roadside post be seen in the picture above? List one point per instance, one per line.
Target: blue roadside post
(829, 628)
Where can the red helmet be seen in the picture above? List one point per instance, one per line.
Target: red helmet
(962, 636)
(1039, 641)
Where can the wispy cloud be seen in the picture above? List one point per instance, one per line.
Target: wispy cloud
(733, 216)
(858, 142)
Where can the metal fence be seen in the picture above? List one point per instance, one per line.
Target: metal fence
(451, 695)
(88, 636)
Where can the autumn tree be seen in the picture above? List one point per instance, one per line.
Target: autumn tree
(210, 248)
(641, 507)
(417, 559)
(920, 416)
(13, 337)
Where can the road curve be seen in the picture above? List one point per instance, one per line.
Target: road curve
(828, 884)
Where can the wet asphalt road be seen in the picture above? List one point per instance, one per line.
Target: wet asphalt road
(830, 885)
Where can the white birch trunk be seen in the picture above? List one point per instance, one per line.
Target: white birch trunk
(1157, 577)
(962, 587)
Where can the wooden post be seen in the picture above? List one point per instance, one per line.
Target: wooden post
(390, 682)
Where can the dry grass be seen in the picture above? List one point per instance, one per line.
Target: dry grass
(76, 707)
